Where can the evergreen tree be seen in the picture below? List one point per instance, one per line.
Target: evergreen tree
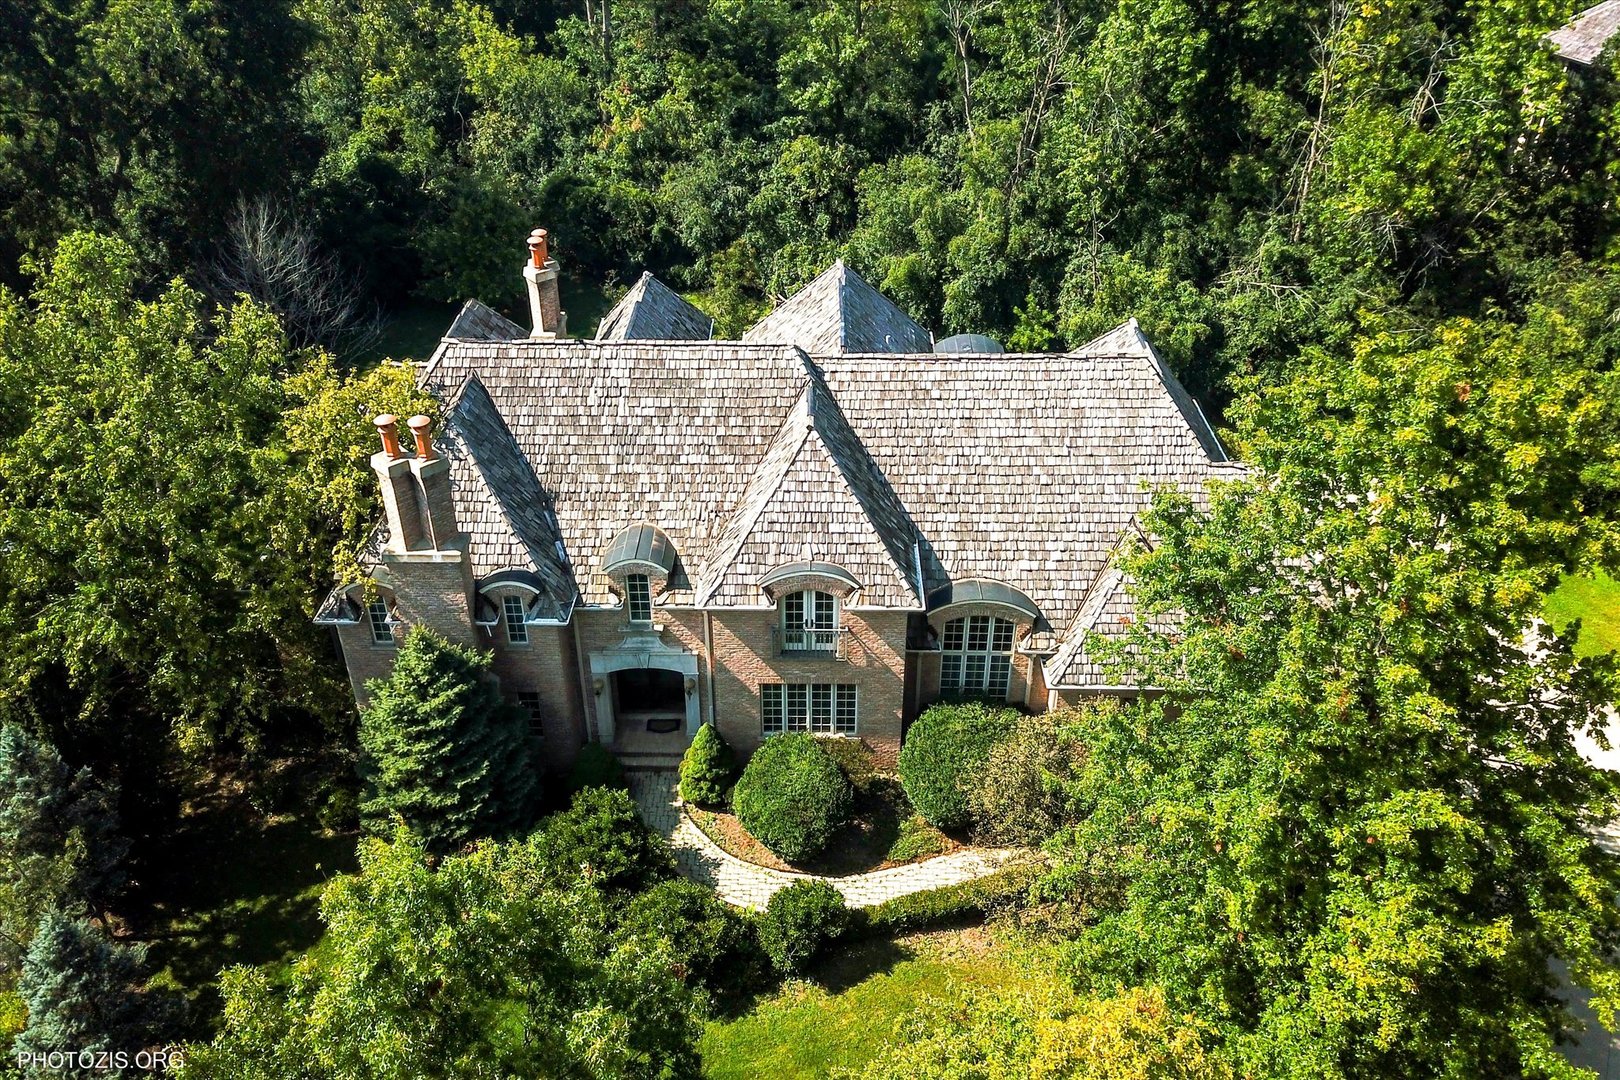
(441, 751)
(83, 994)
(707, 768)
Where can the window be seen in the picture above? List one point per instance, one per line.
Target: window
(809, 622)
(820, 708)
(382, 631)
(977, 656)
(517, 629)
(529, 702)
(638, 598)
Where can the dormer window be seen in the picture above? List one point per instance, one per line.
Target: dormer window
(516, 618)
(976, 656)
(638, 599)
(382, 630)
(809, 622)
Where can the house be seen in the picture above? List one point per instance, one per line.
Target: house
(1582, 40)
(824, 526)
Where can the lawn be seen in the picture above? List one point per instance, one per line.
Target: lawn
(1596, 602)
(849, 1008)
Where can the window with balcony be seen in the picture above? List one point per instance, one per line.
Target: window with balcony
(517, 626)
(819, 708)
(976, 657)
(809, 622)
(638, 599)
(382, 630)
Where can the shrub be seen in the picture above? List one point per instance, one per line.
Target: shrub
(1020, 796)
(944, 752)
(595, 767)
(706, 769)
(917, 838)
(799, 922)
(950, 903)
(713, 944)
(600, 840)
(792, 796)
(854, 758)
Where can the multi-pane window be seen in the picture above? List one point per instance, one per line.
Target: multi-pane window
(517, 627)
(638, 598)
(820, 708)
(809, 622)
(529, 702)
(976, 656)
(382, 631)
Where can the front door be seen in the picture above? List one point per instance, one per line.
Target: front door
(651, 700)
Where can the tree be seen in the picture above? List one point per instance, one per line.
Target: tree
(706, 768)
(59, 842)
(83, 994)
(483, 966)
(1353, 836)
(441, 751)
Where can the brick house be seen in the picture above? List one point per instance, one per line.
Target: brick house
(824, 526)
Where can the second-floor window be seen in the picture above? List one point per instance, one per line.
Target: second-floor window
(638, 598)
(809, 622)
(976, 656)
(517, 628)
(382, 631)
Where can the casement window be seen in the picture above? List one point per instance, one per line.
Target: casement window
(517, 627)
(638, 599)
(819, 708)
(809, 622)
(976, 656)
(529, 702)
(382, 631)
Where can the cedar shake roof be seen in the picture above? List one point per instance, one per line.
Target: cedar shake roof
(652, 311)
(1581, 40)
(478, 321)
(839, 312)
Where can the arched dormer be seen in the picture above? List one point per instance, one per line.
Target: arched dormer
(978, 623)
(810, 598)
(507, 602)
(638, 564)
(368, 604)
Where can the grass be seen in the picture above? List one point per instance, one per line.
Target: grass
(851, 1005)
(1596, 602)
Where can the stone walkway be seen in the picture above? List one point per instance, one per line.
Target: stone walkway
(742, 884)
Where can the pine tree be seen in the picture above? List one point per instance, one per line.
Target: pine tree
(82, 991)
(441, 751)
(707, 768)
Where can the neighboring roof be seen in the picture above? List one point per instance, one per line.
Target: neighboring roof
(639, 545)
(1581, 40)
(652, 311)
(968, 343)
(839, 312)
(479, 322)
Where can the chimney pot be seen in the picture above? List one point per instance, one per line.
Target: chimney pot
(537, 248)
(388, 428)
(422, 428)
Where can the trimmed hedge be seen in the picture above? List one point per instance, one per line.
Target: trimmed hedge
(799, 922)
(947, 747)
(713, 944)
(923, 910)
(595, 767)
(792, 796)
(706, 768)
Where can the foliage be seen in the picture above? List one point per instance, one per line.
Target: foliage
(854, 759)
(82, 992)
(916, 839)
(799, 922)
(707, 768)
(484, 964)
(1004, 888)
(1021, 796)
(595, 767)
(1596, 602)
(601, 840)
(1354, 836)
(713, 944)
(945, 752)
(441, 751)
(792, 797)
(1131, 1036)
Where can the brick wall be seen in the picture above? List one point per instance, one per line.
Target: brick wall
(546, 665)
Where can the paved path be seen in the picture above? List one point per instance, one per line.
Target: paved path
(742, 884)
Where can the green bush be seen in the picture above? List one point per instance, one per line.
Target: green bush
(799, 922)
(792, 796)
(922, 910)
(714, 945)
(917, 838)
(854, 758)
(1023, 793)
(707, 768)
(945, 752)
(595, 766)
(600, 841)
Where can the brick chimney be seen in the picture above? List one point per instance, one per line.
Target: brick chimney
(433, 483)
(545, 304)
(401, 506)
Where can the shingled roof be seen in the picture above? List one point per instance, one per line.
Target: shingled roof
(839, 312)
(478, 321)
(1581, 40)
(652, 311)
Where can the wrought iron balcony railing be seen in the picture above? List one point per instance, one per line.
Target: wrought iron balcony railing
(809, 644)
